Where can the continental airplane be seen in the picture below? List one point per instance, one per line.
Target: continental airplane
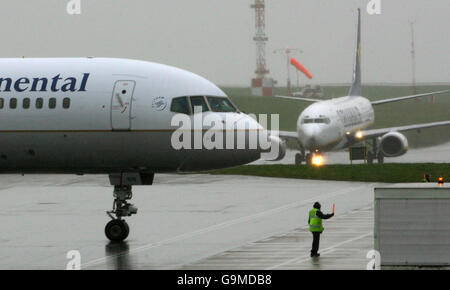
(339, 123)
(111, 116)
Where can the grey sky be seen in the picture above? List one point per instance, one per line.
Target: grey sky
(214, 37)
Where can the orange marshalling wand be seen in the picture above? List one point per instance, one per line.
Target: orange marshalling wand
(333, 207)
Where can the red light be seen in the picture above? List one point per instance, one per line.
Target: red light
(441, 180)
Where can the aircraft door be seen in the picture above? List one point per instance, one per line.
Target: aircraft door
(121, 105)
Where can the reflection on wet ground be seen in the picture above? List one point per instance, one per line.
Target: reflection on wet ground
(181, 219)
(119, 252)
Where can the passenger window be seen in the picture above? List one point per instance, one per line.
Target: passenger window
(39, 103)
(2, 103)
(13, 103)
(199, 101)
(26, 103)
(66, 103)
(180, 105)
(52, 103)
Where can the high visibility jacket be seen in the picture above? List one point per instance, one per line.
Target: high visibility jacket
(315, 222)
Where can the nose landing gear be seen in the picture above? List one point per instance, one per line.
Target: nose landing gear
(300, 157)
(117, 229)
(308, 158)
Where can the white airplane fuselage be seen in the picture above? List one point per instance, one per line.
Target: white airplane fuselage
(120, 117)
(101, 115)
(325, 125)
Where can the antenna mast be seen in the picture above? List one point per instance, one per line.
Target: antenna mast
(261, 85)
(413, 59)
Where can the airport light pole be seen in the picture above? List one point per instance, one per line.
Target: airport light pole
(413, 58)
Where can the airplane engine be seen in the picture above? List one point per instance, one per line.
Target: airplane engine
(393, 144)
(277, 149)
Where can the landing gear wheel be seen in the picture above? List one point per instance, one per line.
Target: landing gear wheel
(298, 159)
(117, 230)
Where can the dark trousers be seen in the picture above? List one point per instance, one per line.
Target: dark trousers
(315, 243)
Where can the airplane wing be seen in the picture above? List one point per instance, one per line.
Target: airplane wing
(379, 132)
(299, 99)
(285, 134)
(407, 97)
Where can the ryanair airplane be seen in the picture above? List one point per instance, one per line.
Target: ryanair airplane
(341, 122)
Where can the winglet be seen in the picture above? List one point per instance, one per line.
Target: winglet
(355, 90)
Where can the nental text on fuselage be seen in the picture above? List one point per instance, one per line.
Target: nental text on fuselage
(44, 84)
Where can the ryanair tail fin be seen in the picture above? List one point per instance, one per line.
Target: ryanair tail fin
(355, 90)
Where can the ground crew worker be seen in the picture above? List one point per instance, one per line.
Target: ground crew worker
(315, 226)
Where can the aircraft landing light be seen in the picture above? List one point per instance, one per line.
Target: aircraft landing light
(318, 160)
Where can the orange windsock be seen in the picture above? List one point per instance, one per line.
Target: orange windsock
(300, 67)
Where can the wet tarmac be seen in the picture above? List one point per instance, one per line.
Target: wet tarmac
(344, 244)
(183, 222)
(434, 154)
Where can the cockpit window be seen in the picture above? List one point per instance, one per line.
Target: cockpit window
(219, 104)
(180, 105)
(199, 101)
(316, 120)
(319, 120)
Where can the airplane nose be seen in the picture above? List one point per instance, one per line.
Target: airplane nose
(246, 138)
(311, 142)
(258, 139)
(310, 133)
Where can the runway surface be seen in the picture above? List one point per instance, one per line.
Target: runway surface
(183, 220)
(434, 154)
